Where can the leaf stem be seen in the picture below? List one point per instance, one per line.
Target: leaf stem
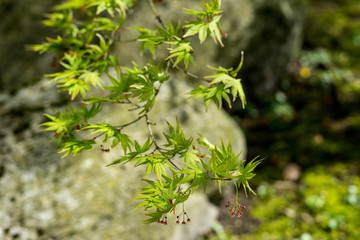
(237, 192)
(129, 123)
(157, 16)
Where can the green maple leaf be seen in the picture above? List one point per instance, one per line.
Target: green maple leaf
(246, 173)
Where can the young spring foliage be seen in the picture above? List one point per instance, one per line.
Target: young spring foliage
(175, 167)
(223, 82)
(207, 22)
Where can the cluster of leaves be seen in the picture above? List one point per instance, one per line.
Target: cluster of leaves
(219, 165)
(89, 28)
(223, 83)
(207, 22)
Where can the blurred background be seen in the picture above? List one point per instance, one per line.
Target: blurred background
(301, 78)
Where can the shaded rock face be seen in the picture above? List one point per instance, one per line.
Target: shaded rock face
(274, 42)
(21, 25)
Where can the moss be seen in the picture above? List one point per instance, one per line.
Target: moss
(326, 206)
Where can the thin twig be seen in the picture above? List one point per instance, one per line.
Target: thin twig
(184, 70)
(222, 179)
(129, 40)
(129, 123)
(189, 73)
(157, 16)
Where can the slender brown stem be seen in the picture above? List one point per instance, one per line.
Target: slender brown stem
(129, 123)
(184, 71)
(120, 127)
(135, 108)
(157, 16)
(225, 179)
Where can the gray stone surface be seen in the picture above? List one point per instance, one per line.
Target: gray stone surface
(43, 196)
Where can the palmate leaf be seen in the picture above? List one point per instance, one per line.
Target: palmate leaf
(143, 84)
(57, 124)
(231, 83)
(157, 165)
(91, 77)
(193, 172)
(223, 83)
(207, 22)
(162, 197)
(111, 6)
(133, 156)
(182, 52)
(124, 139)
(191, 158)
(170, 32)
(214, 30)
(73, 79)
(84, 113)
(149, 39)
(105, 24)
(155, 195)
(246, 173)
(73, 4)
(58, 44)
(236, 90)
(205, 142)
(223, 161)
(153, 38)
(196, 177)
(75, 147)
(215, 94)
(67, 121)
(74, 87)
(193, 27)
(74, 62)
(62, 21)
(119, 85)
(145, 92)
(110, 131)
(226, 158)
(143, 149)
(176, 139)
(211, 9)
(205, 29)
(156, 73)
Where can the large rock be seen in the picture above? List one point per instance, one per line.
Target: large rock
(44, 196)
